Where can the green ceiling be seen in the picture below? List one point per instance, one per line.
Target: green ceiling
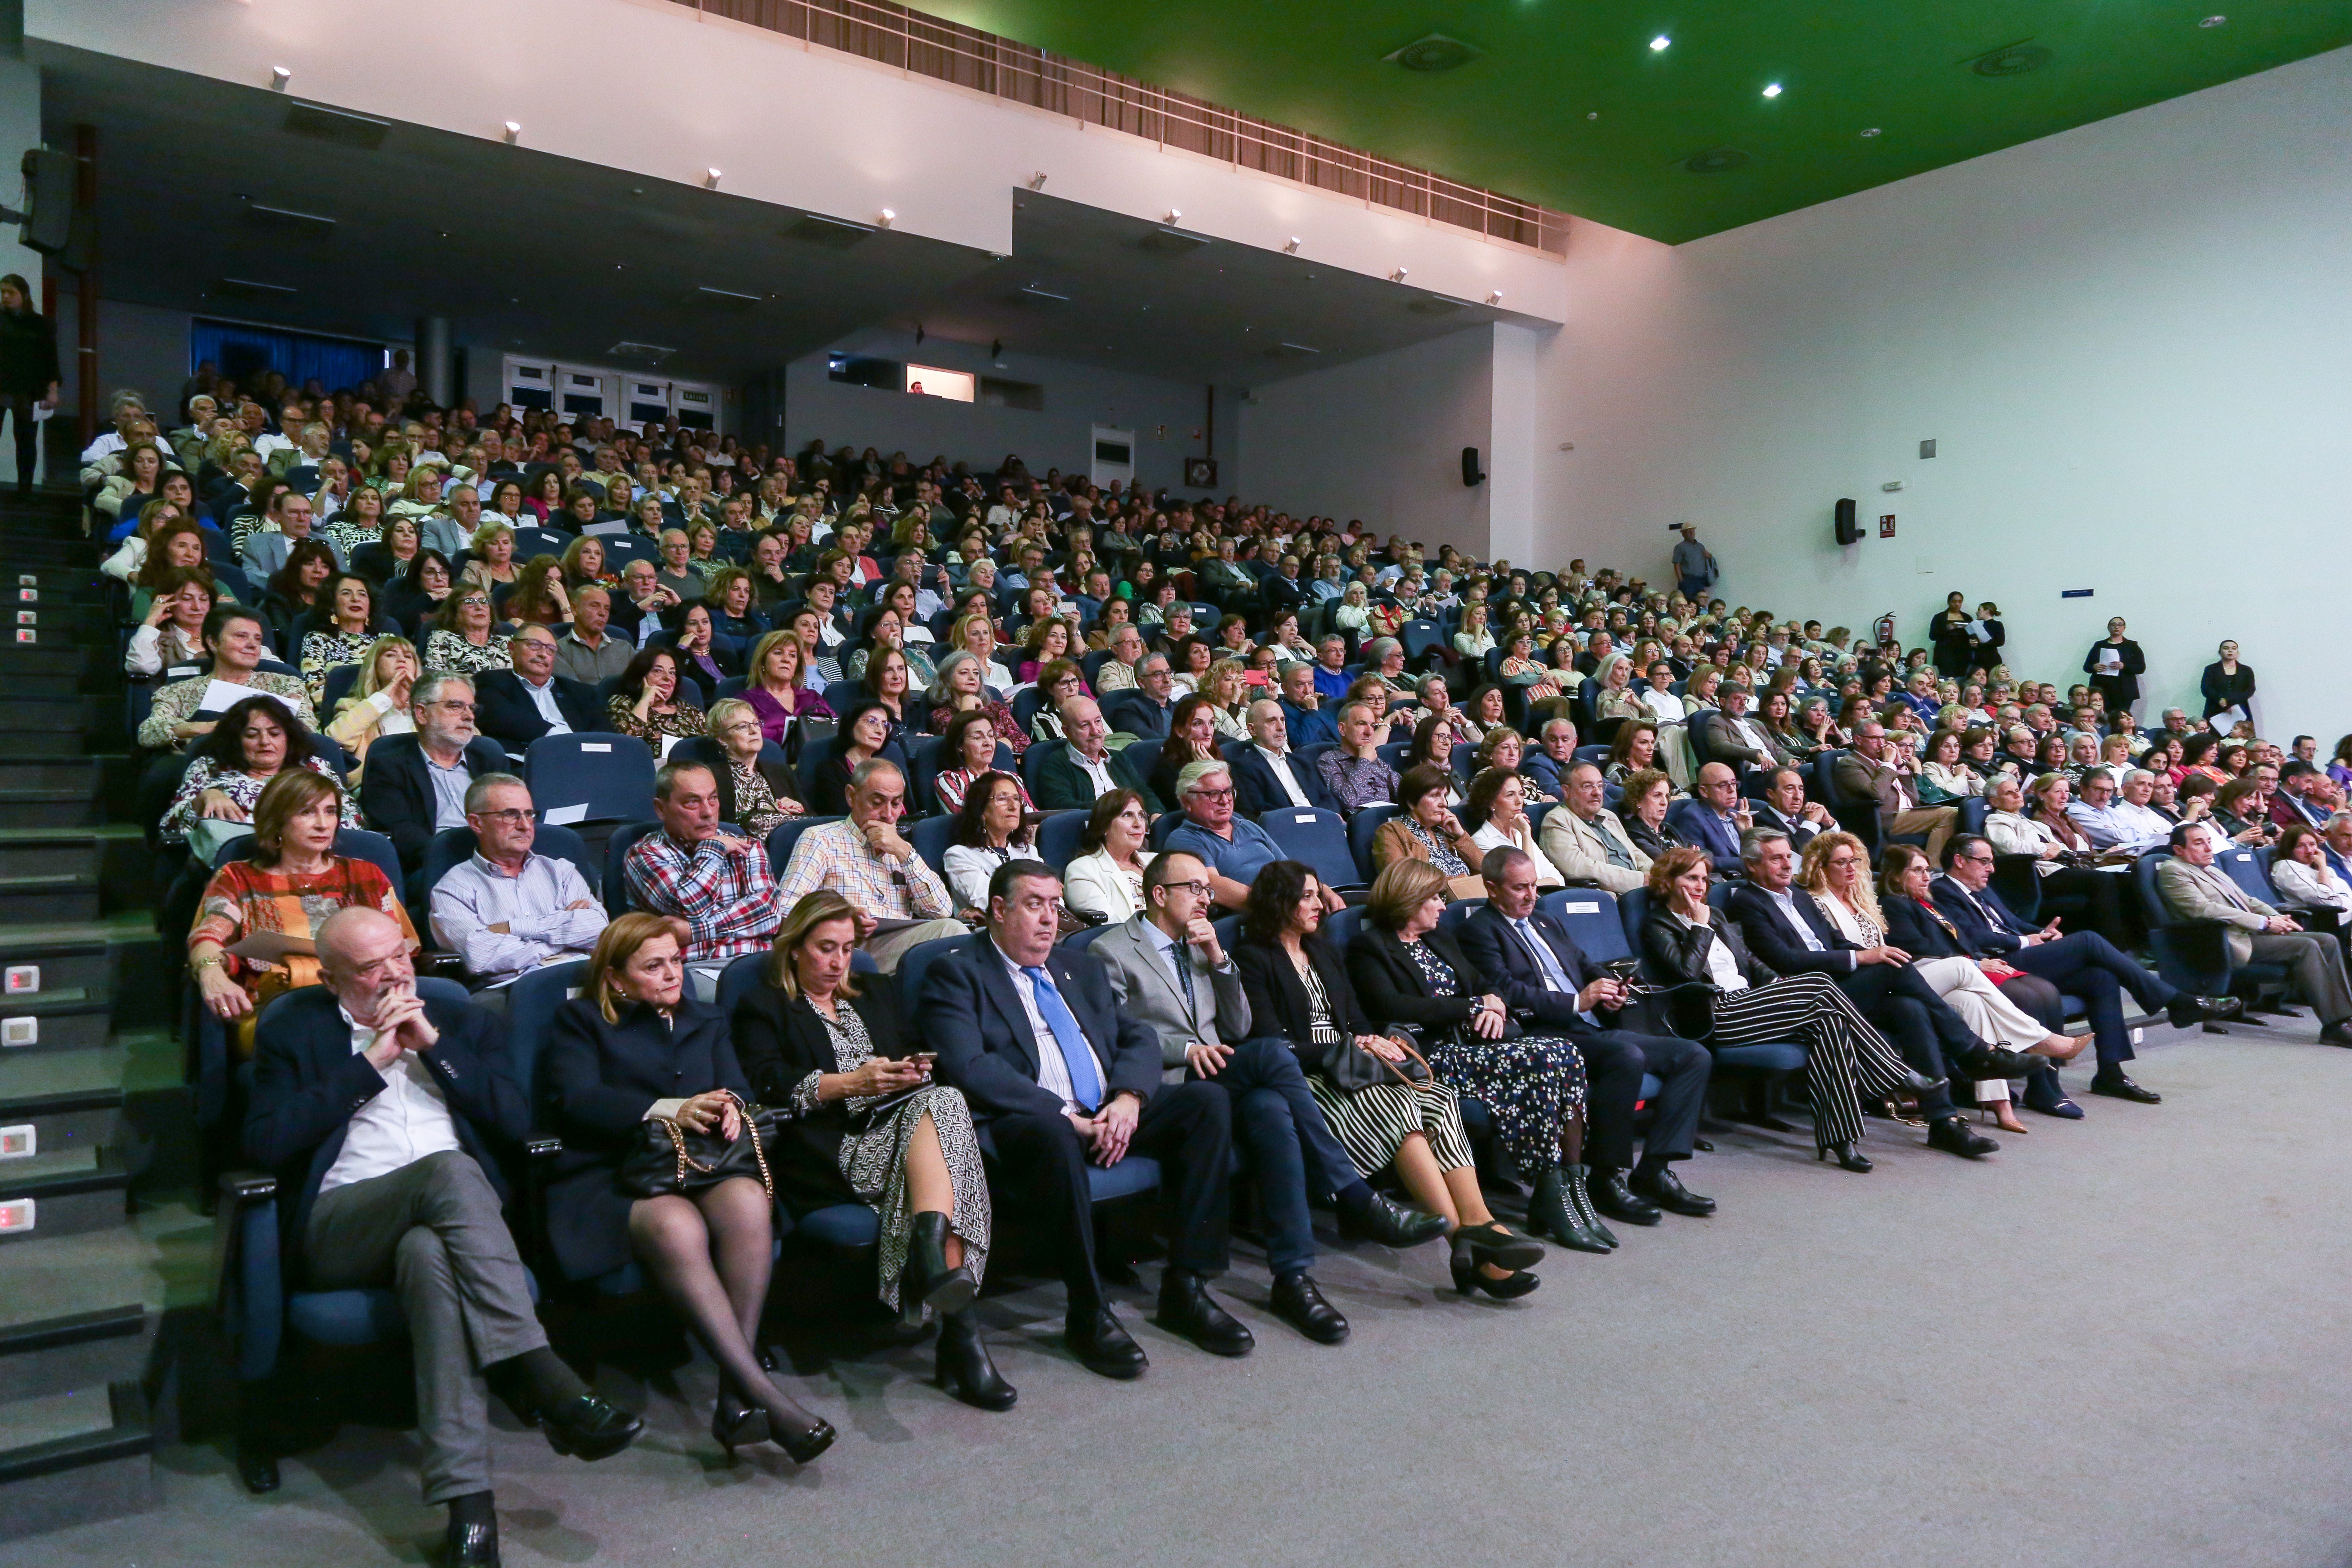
(1519, 117)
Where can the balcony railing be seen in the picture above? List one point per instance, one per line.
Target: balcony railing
(946, 51)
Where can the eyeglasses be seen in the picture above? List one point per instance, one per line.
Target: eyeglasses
(1225, 793)
(513, 816)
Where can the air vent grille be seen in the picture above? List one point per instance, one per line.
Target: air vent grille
(1434, 53)
(833, 233)
(1717, 161)
(642, 353)
(1166, 241)
(2017, 59)
(345, 130)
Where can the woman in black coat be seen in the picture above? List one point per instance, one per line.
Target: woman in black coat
(2227, 684)
(2115, 667)
(631, 1048)
(28, 371)
(1298, 988)
(866, 1125)
(1984, 655)
(1948, 632)
(1686, 943)
(1409, 971)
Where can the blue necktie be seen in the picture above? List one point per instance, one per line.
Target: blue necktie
(1086, 1078)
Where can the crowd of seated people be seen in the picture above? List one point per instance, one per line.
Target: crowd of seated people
(823, 648)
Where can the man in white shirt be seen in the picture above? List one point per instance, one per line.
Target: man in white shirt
(1269, 775)
(2110, 822)
(1657, 695)
(506, 910)
(385, 1117)
(1119, 672)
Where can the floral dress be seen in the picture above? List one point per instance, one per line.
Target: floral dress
(1532, 1085)
(322, 652)
(874, 1155)
(448, 653)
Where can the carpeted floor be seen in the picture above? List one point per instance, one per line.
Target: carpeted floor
(2126, 1340)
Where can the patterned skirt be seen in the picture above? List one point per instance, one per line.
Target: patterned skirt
(1532, 1086)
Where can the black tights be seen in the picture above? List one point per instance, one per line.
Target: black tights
(712, 1254)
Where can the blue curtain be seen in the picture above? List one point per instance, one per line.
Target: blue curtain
(243, 352)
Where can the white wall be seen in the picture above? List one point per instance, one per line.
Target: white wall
(1380, 439)
(1077, 398)
(2131, 341)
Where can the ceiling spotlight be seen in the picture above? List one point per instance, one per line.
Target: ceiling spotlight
(279, 75)
(1658, 45)
(1495, 297)
(888, 218)
(1772, 89)
(1397, 276)
(2212, 21)
(1037, 181)
(1870, 130)
(710, 179)
(514, 132)
(1173, 217)
(1292, 249)
(1594, 115)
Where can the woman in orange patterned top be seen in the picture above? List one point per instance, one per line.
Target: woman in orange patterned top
(253, 937)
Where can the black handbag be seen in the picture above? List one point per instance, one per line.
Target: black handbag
(671, 1161)
(1347, 1067)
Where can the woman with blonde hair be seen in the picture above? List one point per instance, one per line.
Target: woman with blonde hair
(775, 690)
(754, 794)
(584, 562)
(492, 560)
(632, 1047)
(377, 704)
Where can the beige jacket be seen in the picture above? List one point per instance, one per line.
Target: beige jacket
(1577, 848)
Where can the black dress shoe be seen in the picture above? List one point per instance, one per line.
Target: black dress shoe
(1102, 1346)
(1186, 1308)
(1492, 1242)
(1848, 1158)
(735, 1421)
(1955, 1136)
(2115, 1086)
(1998, 1061)
(587, 1428)
(2336, 1033)
(472, 1538)
(1390, 1223)
(1919, 1083)
(2184, 1009)
(1298, 1302)
(1665, 1189)
(1612, 1197)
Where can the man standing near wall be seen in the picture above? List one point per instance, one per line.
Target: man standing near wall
(1695, 568)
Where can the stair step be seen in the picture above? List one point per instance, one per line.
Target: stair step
(30, 713)
(118, 956)
(84, 1455)
(47, 852)
(75, 1350)
(71, 1100)
(70, 1193)
(18, 659)
(49, 900)
(48, 807)
(43, 769)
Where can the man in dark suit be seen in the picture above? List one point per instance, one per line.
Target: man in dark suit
(415, 785)
(1060, 1079)
(1714, 817)
(1787, 931)
(1529, 959)
(1785, 809)
(1267, 774)
(515, 706)
(1729, 736)
(2081, 964)
(383, 1116)
(1075, 775)
(1310, 720)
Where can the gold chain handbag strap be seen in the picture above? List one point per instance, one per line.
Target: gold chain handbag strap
(759, 1150)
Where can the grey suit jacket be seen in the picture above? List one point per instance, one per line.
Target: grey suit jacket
(2206, 893)
(266, 551)
(1145, 986)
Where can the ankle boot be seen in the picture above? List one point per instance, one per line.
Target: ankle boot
(1551, 1210)
(927, 1280)
(965, 1369)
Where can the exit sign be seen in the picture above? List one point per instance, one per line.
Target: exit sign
(1886, 525)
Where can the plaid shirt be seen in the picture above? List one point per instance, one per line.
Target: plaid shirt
(722, 889)
(1357, 782)
(835, 854)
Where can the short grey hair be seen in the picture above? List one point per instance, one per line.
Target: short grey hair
(479, 791)
(1377, 651)
(1195, 773)
(1752, 842)
(426, 692)
(866, 772)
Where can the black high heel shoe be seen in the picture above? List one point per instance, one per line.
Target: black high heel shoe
(927, 1280)
(964, 1368)
(805, 1445)
(1490, 1243)
(1468, 1278)
(1847, 1158)
(737, 1423)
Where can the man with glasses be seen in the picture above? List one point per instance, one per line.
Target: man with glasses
(505, 911)
(1170, 972)
(521, 704)
(1233, 848)
(415, 785)
(901, 902)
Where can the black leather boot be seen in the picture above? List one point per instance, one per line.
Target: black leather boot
(965, 1369)
(927, 1280)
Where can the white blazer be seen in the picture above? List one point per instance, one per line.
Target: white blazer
(1091, 882)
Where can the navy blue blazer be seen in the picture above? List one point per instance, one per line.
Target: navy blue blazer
(1508, 967)
(1764, 926)
(1258, 790)
(969, 1012)
(1701, 829)
(596, 1083)
(1917, 932)
(1987, 927)
(1308, 729)
(396, 793)
(307, 1082)
(509, 717)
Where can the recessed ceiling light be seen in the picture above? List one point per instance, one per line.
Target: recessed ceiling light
(2212, 21)
(1870, 130)
(1658, 45)
(1594, 115)
(1772, 89)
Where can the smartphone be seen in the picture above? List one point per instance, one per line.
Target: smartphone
(924, 1058)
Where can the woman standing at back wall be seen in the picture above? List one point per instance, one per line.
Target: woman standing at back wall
(28, 370)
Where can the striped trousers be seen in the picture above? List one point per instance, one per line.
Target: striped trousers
(1845, 1058)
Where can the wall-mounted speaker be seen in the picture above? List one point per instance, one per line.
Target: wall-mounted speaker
(1470, 472)
(1849, 531)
